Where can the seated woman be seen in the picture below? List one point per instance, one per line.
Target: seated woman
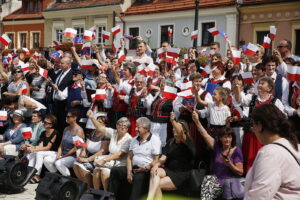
(12, 138)
(118, 148)
(227, 160)
(66, 153)
(44, 148)
(178, 157)
(96, 145)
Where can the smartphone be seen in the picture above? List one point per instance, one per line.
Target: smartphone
(224, 156)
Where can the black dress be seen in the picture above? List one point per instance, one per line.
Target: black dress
(180, 161)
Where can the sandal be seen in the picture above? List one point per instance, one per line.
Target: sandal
(34, 180)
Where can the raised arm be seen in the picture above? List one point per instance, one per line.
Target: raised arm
(178, 128)
(208, 139)
(77, 58)
(99, 127)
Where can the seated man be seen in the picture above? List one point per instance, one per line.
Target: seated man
(143, 154)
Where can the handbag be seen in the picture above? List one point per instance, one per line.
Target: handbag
(197, 176)
(233, 188)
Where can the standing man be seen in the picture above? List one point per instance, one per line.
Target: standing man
(285, 48)
(141, 56)
(215, 46)
(143, 154)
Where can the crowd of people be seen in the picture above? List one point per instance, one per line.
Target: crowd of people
(144, 122)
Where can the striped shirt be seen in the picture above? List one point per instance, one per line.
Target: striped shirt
(218, 115)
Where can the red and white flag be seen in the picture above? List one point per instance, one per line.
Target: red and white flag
(86, 64)
(26, 51)
(236, 56)
(43, 72)
(70, 32)
(121, 56)
(194, 34)
(141, 69)
(251, 49)
(100, 94)
(267, 42)
(206, 71)
(186, 86)
(26, 133)
(293, 73)
(170, 32)
(273, 31)
(115, 30)
(186, 58)
(24, 89)
(161, 53)
(94, 30)
(93, 97)
(9, 57)
(78, 141)
(88, 35)
(174, 52)
(150, 69)
(56, 43)
(3, 115)
(247, 77)
(24, 67)
(213, 31)
(4, 39)
(116, 45)
(186, 93)
(169, 59)
(105, 35)
(169, 92)
(36, 55)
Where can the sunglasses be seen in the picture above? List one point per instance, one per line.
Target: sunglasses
(17, 72)
(49, 123)
(278, 47)
(68, 116)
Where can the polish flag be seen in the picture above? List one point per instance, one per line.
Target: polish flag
(56, 43)
(293, 73)
(70, 32)
(170, 32)
(78, 141)
(3, 115)
(236, 56)
(213, 31)
(94, 30)
(4, 39)
(43, 72)
(115, 30)
(105, 35)
(121, 56)
(194, 34)
(26, 133)
(267, 42)
(36, 55)
(169, 59)
(186, 86)
(116, 45)
(25, 67)
(26, 51)
(9, 57)
(100, 94)
(141, 69)
(151, 68)
(24, 89)
(88, 35)
(174, 52)
(251, 49)
(128, 37)
(247, 77)
(186, 93)
(161, 53)
(86, 64)
(169, 92)
(206, 71)
(93, 97)
(273, 31)
(186, 58)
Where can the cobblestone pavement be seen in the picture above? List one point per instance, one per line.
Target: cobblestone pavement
(27, 194)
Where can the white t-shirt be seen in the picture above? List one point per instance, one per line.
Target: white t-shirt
(218, 115)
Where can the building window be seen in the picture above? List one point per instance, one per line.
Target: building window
(33, 6)
(11, 36)
(164, 34)
(80, 31)
(297, 45)
(23, 40)
(134, 32)
(35, 40)
(58, 35)
(100, 40)
(260, 36)
(207, 38)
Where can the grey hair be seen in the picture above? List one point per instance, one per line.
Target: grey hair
(144, 122)
(138, 76)
(124, 120)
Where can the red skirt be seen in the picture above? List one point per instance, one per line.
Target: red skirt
(131, 130)
(250, 147)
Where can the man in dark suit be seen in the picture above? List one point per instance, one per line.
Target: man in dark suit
(62, 80)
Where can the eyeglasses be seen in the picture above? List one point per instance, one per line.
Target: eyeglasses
(68, 116)
(17, 72)
(278, 47)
